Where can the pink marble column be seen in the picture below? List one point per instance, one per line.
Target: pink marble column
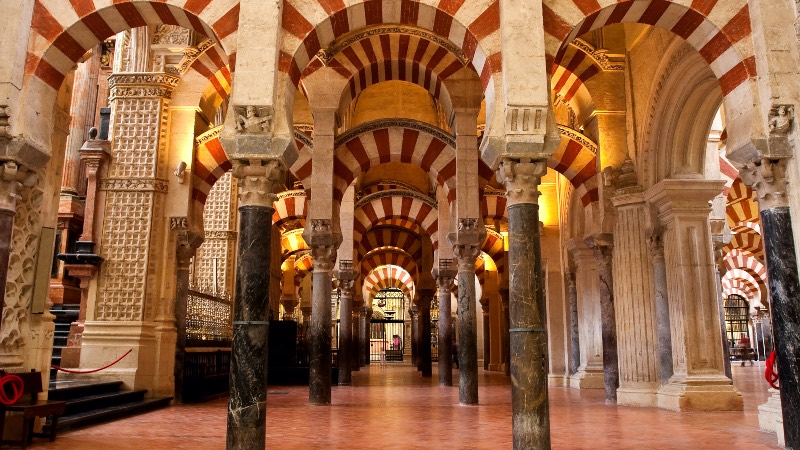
(82, 109)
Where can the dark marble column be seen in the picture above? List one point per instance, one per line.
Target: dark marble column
(358, 338)
(663, 329)
(487, 351)
(347, 278)
(444, 281)
(466, 247)
(424, 327)
(323, 243)
(504, 298)
(363, 324)
(413, 311)
(602, 250)
(574, 331)
(769, 180)
(529, 359)
(247, 413)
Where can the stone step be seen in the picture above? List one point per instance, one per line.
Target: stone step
(115, 412)
(69, 390)
(101, 401)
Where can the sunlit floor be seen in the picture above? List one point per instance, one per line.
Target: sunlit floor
(394, 407)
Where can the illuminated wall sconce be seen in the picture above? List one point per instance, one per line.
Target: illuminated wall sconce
(180, 173)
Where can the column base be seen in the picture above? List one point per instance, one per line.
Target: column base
(700, 393)
(642, 395)
(104, 342)
(770, 416)
(587, 379)
(557, 380)
(495, 367)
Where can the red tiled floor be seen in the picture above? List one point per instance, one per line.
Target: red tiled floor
(395, 407)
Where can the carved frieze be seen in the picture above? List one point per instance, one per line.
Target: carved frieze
(221, 235)
(142, 85)
(253, 119)
(134, 185)
(578, 137)
(780, 120)
(172, 35)
(599, 55)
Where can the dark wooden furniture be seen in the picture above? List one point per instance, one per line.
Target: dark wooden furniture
(31, 407)
(743, 354)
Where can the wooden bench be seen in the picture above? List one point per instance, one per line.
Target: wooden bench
(31, 407)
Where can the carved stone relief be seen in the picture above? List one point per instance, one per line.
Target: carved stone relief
(253, 119)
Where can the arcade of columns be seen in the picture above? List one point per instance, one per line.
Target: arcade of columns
(561, 176)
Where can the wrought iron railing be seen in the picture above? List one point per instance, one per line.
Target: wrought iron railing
(208, 318)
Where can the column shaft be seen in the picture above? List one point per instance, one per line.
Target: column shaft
(415, 360)
(247, 414)
(345, 336)
(486, 334)
(662, 310)
(320, 339)
(424, 355)
(467, 335)
(445, 331)
(363, 324)
(574, 333)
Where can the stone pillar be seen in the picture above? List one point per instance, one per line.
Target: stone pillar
(424, 327)
(486, 333)
(590, 371)
(358, 339)
(637, 329)
(719, 242)
(187, 243)
(82, 112)
(602, 247)
(506, 325)
(444, 281)
(247, 414)
(323, 243)
(363, 325)
(306, 327)
(699, 381)
(413, 311)
(347, 279)
(574, 333)
(12, 178)
(663, 328)
(466, 247)
(529, 359)
(769, 180)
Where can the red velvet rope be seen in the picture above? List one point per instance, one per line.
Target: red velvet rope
(92, 370)
(771, 374)
(17, 388)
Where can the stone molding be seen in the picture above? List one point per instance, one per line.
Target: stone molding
(397, 123)
(5, 122)
(521, 179)
(142, 85)
(191, 54)
(258, 181)
(768, 178)
(13, 176)
(578, 137)
(394, 193)
(600, 56)
(221, 235)
(134, 185)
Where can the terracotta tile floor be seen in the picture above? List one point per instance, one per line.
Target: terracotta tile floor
(394, 407)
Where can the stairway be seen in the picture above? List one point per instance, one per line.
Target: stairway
(92, 402)
(65, 315)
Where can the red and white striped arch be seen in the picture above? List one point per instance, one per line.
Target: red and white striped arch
(388, 257)
(745, 260)
(62, 32)
(401, 140)
(742, 281)
(493, 206)
(292, 242)
(302, 267)
(576, 159)
(210, 163)
(386, 277)
(749, 241)
(398, 204)
(301, 166)
(741, 204)
(494, 247)
(311, 25)
(382, 237)
(291, 205)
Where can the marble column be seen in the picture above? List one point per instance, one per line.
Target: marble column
(413, 311)
(587, 282)
(364, 325)
(358, 338)
(506, 336)
(699, 381)
(444, 276)
(529, 359)
(574, 333)
(637, 335)
(324, 244)
(663, 329)
(424, 353)
(603, 254)
(769, 180)
(347, 280)
(247, 413)
(466, 247)
(82, 109)
(12, 178)
(486, 333)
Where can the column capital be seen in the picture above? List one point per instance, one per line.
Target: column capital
(768, 178)
(602, 246)
(444, 278)
(656, 246)
(186, 244)
(676, 197)
(467, 242)
(347, 281)
(142, 85)
(521, 178)
(484, 305)
(13, 176)
(259, 179)
(324, 243)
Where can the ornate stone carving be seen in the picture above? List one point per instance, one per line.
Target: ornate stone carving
(599, 55)
(134, 185)
(12, 177)
(5, 121)
(142, 85)
(191, 54)
(178, 223)
(253, 119)
(220, 234)
(465, 255)
(186, 245)
(444, 278)
(258, 181)
(320, 226)
(578, 137)
(521, 179)
(468, 224)
(107, 54)
(780, 120)
(768, 179)
(526, 119)
(172, 35)
(656, 246)
(324, 257)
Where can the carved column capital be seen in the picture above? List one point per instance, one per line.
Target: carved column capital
(521, 179)
(12, 177)
(768, 179)
(602, 246)
(186, 245)
(347, 281)
(444, 279)
(656, 246)
(324, 243)
(259, 180)
(467, 242)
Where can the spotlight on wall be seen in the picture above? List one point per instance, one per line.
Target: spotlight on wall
(180, 172)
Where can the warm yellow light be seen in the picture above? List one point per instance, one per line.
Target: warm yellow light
(505, 239)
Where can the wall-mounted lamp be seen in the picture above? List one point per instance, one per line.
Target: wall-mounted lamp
(180, 172)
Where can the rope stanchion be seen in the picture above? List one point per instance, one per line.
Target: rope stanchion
(771, 373)
(16, 385)
(92, 370)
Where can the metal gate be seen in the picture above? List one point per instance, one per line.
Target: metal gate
(387, 339)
